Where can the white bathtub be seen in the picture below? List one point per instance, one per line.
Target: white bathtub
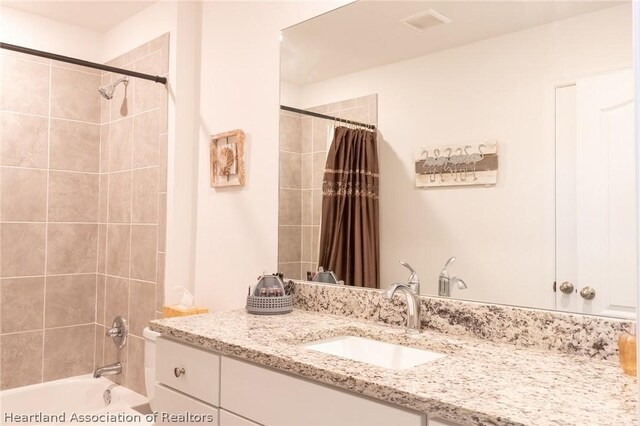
(75, 396)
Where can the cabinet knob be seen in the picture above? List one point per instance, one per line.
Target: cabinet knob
(566, 287)
(588, 293)
(178, 371)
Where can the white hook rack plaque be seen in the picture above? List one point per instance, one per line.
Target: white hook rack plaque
(457, 165)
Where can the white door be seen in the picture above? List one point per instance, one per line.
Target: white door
(595, 195)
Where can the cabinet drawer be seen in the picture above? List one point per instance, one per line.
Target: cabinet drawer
(201, 377)
(272, 398)
(230, 419)
(168, 401)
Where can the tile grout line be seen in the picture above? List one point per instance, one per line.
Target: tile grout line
(46, 227)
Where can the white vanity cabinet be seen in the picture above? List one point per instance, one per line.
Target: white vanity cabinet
(239, 393)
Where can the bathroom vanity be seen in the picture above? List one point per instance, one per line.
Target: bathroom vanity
(246, 369)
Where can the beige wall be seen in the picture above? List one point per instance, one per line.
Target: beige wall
(237, 234)
(49, 165)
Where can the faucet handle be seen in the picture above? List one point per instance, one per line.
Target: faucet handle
(414, 281)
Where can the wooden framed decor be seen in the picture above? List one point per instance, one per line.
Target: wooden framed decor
(227, 159)
(457, 165)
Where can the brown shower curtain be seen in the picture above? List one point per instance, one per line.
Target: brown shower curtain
(349, 234)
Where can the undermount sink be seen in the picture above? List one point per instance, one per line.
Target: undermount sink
(382, 354)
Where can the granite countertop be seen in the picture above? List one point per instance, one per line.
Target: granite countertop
(477, 383)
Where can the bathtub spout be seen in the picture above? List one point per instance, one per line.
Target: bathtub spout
(107, 370)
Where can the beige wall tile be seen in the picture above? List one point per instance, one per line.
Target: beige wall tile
(142, 304)
(105, 104)
(290, 271)
(315, 238)
(102, 249)
(20, 359)
(113, 354)
(307, 170)
(319, 140)
(290, 133)
(148, 94)
(316, 212)
(306, 132)
(68, 351)
(74, 95)
(116, 300)
(307, 267)
(144, 252)
(135, 361)
(105, 130)
(23, 140)
(120, 145)
(319, 161)
(306, 244)
(100, 299)
(25, 56)
(103, 198)
(70, 300)
(162, 186)
(120, 197)
(25, 86)
(71, 248)
(160, 283)
(23, 194)
(158, 43)
(290, 170)
(73, 197)
(145, 199)
(99, 347)
(118, 250)
(162, 221)
(75, 146)
(75, 67)
(146, 139)
(21, 304)
(290, 207)
(22, 247)
(135, 54)
(289, 244)
(307, 207)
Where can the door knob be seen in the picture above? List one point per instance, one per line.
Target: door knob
(566, 287)
(588, 293)
(178, 371)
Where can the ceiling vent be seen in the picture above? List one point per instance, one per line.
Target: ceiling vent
(424, 20)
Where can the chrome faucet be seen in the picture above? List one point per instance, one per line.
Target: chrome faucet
(108, 370)
(413, 306)
(445, 283)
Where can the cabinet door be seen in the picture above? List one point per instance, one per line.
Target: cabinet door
(168, 402)
(230, 419)
(273, 398)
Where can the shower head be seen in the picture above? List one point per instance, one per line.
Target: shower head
(107, 91)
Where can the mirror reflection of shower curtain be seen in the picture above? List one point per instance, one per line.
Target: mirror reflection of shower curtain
(349, 232)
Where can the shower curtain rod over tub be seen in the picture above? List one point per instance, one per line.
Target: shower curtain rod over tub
(61, 58)
(326, 117)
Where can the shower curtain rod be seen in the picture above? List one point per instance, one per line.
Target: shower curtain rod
(61, 58)
(326, 117)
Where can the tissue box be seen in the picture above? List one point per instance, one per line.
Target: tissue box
(169, 311)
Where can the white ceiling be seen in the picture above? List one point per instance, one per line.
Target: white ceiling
(93, 15)
(366, 34)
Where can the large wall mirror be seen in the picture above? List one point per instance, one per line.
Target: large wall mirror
(503, 137)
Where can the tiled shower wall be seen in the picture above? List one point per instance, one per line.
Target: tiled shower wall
(304, 142)
(49, 157)
(133, 198)
(82, 214)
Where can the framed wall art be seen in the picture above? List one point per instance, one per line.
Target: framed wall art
(227, 159)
